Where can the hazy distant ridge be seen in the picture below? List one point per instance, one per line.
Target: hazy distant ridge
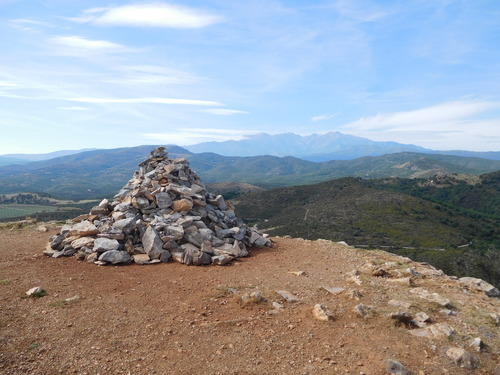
(314, 147)
(319, 147)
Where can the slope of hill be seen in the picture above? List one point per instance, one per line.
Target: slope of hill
(473, 193)
(368, 213)
(5, 160)
(90, 174)
(46, 156)
(100, 173)
(232, 190)
(359, 212)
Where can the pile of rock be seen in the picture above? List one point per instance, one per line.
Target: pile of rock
(164, 212)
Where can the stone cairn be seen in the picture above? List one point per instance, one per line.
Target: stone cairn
(164, 212)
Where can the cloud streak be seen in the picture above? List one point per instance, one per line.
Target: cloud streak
(7, 84)
(74, 44)
(189, 136)
(148, 101)
(323, 117)
(150, 15)
(223, 111)
(460, 124)
(425, 118)
(151, 75)
(75, 108)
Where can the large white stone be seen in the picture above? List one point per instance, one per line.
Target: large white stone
(153, 245)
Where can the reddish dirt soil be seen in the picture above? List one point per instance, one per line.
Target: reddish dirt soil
(175, 319)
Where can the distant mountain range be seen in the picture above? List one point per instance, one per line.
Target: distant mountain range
(319, 147)
(9, 159)
(101, 173)
(314, 147)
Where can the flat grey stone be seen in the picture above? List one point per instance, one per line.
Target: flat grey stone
(165, 256)
(115, 257)
(394, 367)
(222, 260)
(333, 290)
(163, 200)
(105, 244)
(125, 225)
(287, 296)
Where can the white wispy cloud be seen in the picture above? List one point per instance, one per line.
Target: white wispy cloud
(152, 75)
(189, 136)
(324, 117)
(425, 118)
(223, 111)
(28, 24)
(459, 124)
(75, 108)
(6, 94)
(154, 14)
(361, 11)
(8, 84)
(74, 43)
(147, 100)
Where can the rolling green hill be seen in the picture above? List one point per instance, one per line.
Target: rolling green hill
(231, 190)
(436, 225)
(101, 173)
(359, 212)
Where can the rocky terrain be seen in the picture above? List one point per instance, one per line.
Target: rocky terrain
(164, 212)
(299, 307)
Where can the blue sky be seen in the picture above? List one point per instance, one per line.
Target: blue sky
(98, 74)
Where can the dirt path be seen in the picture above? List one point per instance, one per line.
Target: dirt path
(175, 319)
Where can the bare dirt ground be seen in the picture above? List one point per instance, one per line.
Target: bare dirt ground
(175, 319)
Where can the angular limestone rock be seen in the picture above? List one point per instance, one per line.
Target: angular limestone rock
(397, 303)
(141, 258)
(164, 211)
(320, 312)
(496, 318)
(477, 344)
(395, 368)
(253, 297)
(153, 245)
(115, 257)
(363, 310)
(431, 297)
(222, 260)
(37, 291)
(83, 228)
(333, 290)
(102, 245)
(462, 358)
(82, 241)
(287, 296)
(481, 285)
(441, 330)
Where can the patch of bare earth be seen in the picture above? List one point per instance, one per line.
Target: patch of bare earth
(175, 319)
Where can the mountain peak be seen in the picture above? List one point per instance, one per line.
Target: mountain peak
(333, 145)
